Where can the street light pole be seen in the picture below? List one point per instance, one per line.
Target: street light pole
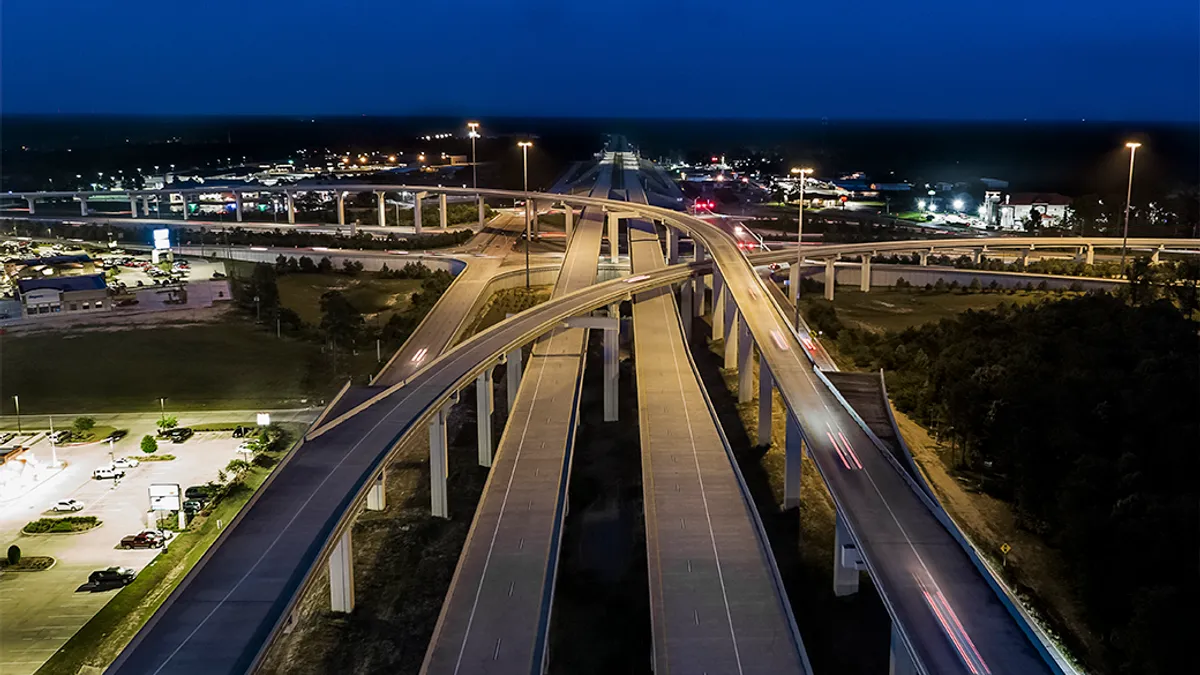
(525, 145)
(799, 244)
(473, 126)
(162, 409)
(1133, 146)
(17, 402)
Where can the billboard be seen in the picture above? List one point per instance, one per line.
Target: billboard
(164, 497)
(162, 239)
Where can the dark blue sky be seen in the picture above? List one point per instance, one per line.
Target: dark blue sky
(1037, 59)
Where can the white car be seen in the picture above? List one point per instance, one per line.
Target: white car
(60, 436)
(248, 446)
(71, 505)
(106, 472)
(125, 463)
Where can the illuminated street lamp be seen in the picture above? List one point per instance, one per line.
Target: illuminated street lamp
(525, 145)
(473, 133)
(958, 205)
(799, 241)
(1133, 146)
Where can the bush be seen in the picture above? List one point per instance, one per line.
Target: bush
(14, 554)
(58, 525)
(83, 425)
(169, 422)
(149, 444)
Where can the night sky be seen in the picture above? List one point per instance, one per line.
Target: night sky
(869, 59)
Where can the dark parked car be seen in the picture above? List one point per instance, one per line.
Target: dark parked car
(113, 576)
(180, 434)
(243, 432)
(197, 493)
(192, 506)
(143, 540)
(117, 435)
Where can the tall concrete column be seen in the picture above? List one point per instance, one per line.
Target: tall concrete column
(697, 295)
(731, 332)
(514, 376)
(417, 211)
(291, 202)
(479, 198)
(718, 306)
(699, 250)
(182, 195)
(341, 208)
(381, 208)
(924, 257)
(341, 575)
(794, 282)
(533, 215)
(793, 450)
(613, 241)
(568, 220)
(33, 206)
(766, 397)
(864, 275)
(686, 308)
(830, 277)
(612, 365)
(146, 204)
(443, 215)
(745, 361)
(132, 206)
(237, 205)
(846, 561)
(485, 404)
(900, 661)
(672, 246)
(1154, 257)
(377, 496)
(439, 463)
(1091, 255)
(976, 256)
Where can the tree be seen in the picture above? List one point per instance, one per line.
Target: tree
(82, 425)
(14, 554)
(307, 265)
(149, 444)
(975, 286)
(1034, 221)
(238, 468)
(340, 320)
(940, 285)
(263, 286)
(168, 422)
(281, 264)
(325, 266)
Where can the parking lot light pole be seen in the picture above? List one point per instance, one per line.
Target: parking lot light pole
(525, 145)
(162, 409)
(1133, 146)
(799, 243)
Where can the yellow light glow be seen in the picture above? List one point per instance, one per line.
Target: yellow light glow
(798, 170)
(1133, 145)
(391, 158)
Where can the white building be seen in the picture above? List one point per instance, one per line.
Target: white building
(1017, 208)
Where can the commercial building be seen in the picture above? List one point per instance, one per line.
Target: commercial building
(56, 295)
(1017, 209)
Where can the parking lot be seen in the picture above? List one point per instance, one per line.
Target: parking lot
(42, 610)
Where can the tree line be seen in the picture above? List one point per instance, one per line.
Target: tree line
(1084, 413)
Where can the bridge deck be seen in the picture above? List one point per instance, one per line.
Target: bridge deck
(714, 604)
(496, 616)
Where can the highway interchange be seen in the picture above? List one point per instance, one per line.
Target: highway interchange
(225, 613)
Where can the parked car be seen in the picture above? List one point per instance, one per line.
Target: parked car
(143, 540)
(192, 507)
(125, 463)
(106, 472)
(60, 436)
(180, 434)
(247, 447)
(243, 432)
(113, 576)
(117, 435)
(70, 505)
(196, 492)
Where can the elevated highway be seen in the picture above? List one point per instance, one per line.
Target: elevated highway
(242, 591)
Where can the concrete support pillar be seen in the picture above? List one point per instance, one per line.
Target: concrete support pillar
(766, 397)
(533, 216)
(698, 295)
(133, 211)
(718, 306)
(443, 215)
(341, 208)
(924, 257)
(381, 208)
(613, 238)
(612, 365)
(745, 361)
(341, 575)
(830, 278)
(146, 205)
(291, 202)
(1154, 257)
(1091, 255)
(794, 282)
(846, 561)
(568, 220)
(731, 332)
(672, 246)
(793, 450)
(417, 211)
(686, 305)
(699, 251)
(514, 376)
(479, 199)
(33, 206)
(438, 463)
(976, 256)
(484, 406)
(900, 661)
(864, 281)
(377, 496)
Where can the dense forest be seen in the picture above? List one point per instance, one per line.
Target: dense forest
(1084, 413)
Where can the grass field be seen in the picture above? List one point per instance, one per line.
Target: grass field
(107, 633)
(376, 298)
(226, 365)
(897, 310)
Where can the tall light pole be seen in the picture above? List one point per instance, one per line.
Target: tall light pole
(1133, 146)
(473, 133)
(799, 243)
(525, 145)
(17, 403)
